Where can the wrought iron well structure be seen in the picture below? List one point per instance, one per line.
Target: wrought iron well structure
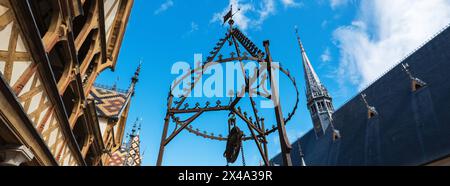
(258, 132)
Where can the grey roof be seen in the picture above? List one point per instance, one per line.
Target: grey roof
(411, 128)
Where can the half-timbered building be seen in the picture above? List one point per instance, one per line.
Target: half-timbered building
(51, 52)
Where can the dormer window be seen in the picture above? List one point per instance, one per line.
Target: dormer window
(417, 84)
(372, 112)
(336, 135)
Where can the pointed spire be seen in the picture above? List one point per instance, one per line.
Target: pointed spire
(135, 78)
(314, 87)
(114, 87)
(139, 127)
(133, 131)
(319, 104)
(302, 156)
(299, 40)
(136, 128)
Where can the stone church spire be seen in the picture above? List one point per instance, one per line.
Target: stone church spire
(320, 103)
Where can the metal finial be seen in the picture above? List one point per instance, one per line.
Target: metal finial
(137, 72)
(114, 87)
(298, 39)
(133, 131)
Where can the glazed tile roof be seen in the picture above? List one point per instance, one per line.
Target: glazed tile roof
(134, 156)
(117, 158)
(109, 103)
(127, 155)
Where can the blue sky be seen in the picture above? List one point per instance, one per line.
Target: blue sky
(350, 43)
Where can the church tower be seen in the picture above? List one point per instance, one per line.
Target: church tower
(320, 103)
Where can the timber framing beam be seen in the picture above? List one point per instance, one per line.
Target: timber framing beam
(37, 51)
(20, 128)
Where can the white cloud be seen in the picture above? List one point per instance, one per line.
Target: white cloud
(290, 3)
(294, 135)
(165, 6)
(194, 26)
(252, 14)
(326, 55)
(336, 3)
(383, 33)
(240, 18)
(266, 9)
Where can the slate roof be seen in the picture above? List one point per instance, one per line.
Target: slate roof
(411, 128)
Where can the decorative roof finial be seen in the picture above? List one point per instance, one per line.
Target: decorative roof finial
(372, 111)
(114, 87)
(302, 156)
(299, 40)
(139, 126)
(136, 127)
(133, 131)
(135, 78)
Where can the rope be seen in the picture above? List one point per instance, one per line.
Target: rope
(242, 153)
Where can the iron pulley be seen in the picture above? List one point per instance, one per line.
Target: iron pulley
(234, 144)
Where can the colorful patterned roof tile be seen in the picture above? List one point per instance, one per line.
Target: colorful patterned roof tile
(134, 154)
(108, 103)
(127, 155)
(117, 158)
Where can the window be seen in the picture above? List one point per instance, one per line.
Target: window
(330, 106)
(321, 106)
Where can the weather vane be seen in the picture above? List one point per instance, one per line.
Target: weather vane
(229, 16)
